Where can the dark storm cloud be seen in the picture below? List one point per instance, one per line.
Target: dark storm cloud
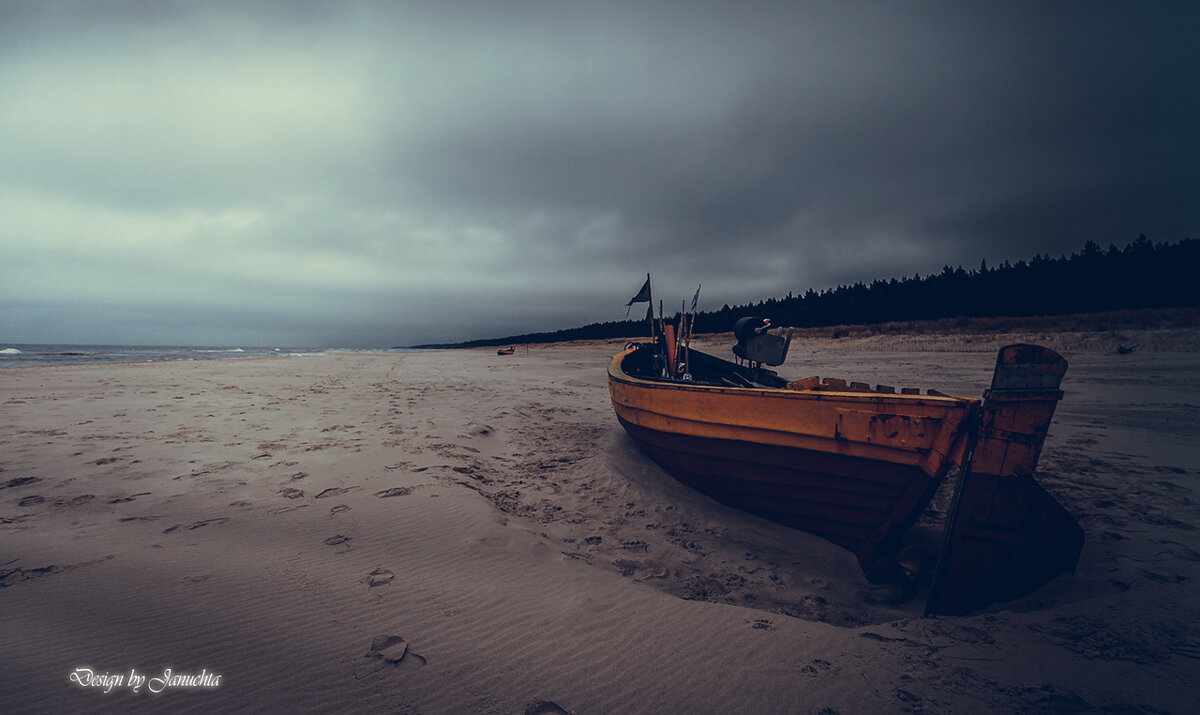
(931, 128)
(482, 168)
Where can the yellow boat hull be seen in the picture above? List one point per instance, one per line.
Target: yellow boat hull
(854, 467)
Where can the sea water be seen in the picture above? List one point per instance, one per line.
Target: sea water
(26, 355)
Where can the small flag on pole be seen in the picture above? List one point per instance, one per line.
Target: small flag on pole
(695, 298)
(643, 295)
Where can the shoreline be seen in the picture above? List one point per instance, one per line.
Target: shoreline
(1152, 329)
(1175, 318)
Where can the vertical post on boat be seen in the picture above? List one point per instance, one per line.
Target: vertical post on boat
(681, 333)
(670, 340)
(687, 350)
(650, 306)
(687, 357)
(666, 349)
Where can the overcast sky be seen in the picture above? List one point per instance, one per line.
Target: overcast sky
(363, 174)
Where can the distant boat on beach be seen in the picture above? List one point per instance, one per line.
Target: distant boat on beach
(505, 351)
(858, 464)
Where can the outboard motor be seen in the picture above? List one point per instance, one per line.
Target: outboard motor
(757, 345)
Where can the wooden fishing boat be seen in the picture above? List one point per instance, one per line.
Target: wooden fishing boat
(505, 351)
(858, 464)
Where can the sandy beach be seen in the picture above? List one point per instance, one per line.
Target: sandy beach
(460, 532)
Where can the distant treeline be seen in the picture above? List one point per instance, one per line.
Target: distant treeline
(1141, 275)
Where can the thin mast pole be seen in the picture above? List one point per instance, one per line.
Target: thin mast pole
(682, 333)
(687, 354)
(692, 324)
(662, 327)
(650, 306)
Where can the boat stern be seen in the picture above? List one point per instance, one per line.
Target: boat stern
(1007, 536)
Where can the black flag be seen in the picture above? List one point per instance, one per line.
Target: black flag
(643, 295)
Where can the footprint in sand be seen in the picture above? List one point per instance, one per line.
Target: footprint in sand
(196, 525)
(641, 570)
(817, 665)
(131, 497)
(19, 482)
(910, 702)
(31, 501)
(380, 577)
(394, 492)
(336, 539)
(338, 509)
(21, 574)
(388, 650)
(333, 492)
(291, 493)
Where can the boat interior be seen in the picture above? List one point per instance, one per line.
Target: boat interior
(754, 340)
